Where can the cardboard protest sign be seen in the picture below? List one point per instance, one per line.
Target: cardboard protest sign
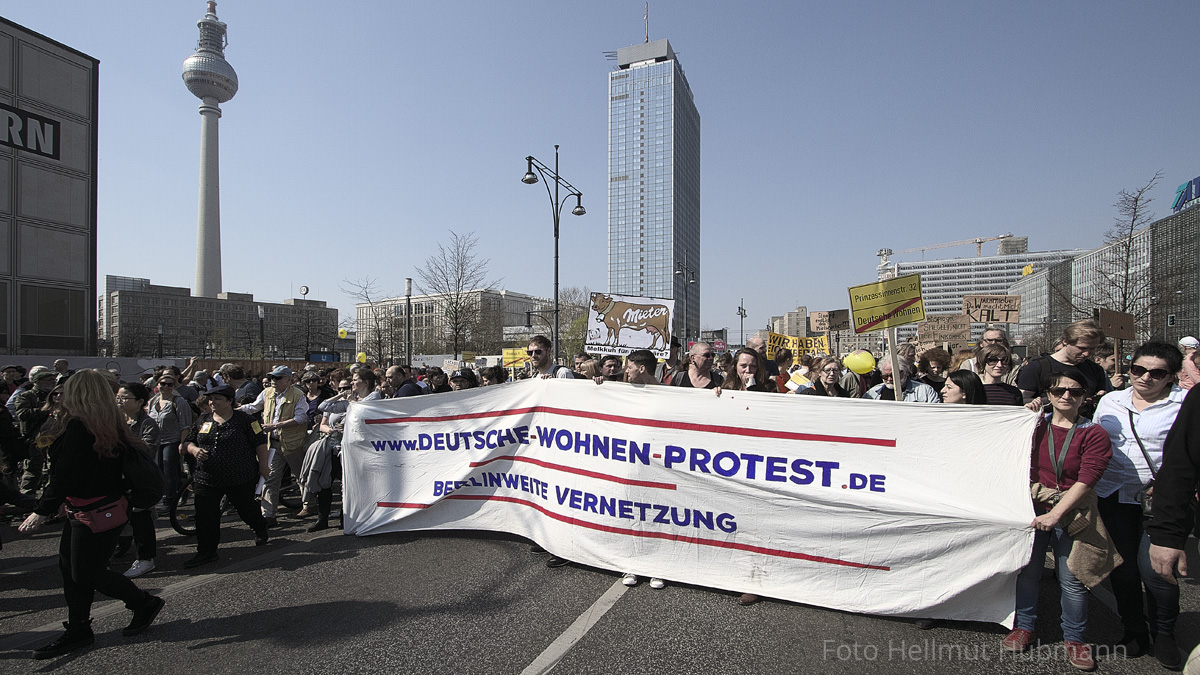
(619, 324)
(849, 504)
(824, 322)
(1115, 324)
(992, 308)
(945, 328)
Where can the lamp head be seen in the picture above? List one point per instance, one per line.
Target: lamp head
(578, 210)
(530, 177)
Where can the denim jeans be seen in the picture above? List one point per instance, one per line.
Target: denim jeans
(1074, 594)
(167, 459)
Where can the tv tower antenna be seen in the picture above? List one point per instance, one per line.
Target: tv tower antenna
(647, 17)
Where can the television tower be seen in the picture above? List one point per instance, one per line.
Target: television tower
(211, 79)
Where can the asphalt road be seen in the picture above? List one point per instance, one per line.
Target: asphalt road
(472, 603)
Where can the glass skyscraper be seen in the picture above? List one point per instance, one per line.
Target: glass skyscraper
(654, 182)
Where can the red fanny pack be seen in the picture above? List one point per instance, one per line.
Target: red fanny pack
(100, 514)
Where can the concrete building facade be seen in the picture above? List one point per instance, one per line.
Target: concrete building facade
(498, 315)
(48, 111)
(142, 319)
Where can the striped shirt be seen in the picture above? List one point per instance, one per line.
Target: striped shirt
(1127, 471)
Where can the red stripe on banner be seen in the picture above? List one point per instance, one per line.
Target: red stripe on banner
(581, 472)
(866, 327)
(402, 505)
(663, 535)
(661, 424)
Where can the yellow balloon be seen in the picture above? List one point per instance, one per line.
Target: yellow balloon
(362, 357)
(342, 333)
(860, 362)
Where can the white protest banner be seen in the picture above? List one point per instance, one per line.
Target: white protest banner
(891, 508)
(619, 324)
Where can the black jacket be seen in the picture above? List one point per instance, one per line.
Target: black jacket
(1175, 486)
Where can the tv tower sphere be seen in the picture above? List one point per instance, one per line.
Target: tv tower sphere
(206, 73)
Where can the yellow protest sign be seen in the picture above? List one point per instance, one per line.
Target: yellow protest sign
(777, 341)
(468, 357)
(812, 345)
(886, 304)
(515, 358)
(798, 345)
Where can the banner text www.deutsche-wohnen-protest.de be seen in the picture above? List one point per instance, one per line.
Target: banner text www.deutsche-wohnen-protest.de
(865, 506)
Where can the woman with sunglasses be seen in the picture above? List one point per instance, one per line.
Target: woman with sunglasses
(992, 362)
(1070, 453)
(173, 415)
(825, 376)
(1137, 420)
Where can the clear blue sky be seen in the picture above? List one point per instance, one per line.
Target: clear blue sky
(363, 131)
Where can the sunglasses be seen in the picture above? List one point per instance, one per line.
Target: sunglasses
(345, 388)
(1060, 392)
(1155, 373)
(531, 352)
(995, 359)
(166, 384)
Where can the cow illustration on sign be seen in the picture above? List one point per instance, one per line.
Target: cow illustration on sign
(617, 315)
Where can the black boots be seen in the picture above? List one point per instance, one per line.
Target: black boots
(76, 637)
(324, 506)
(144, 615)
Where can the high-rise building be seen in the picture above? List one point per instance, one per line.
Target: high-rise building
(49, 97)
(945, 282)
(654, 182)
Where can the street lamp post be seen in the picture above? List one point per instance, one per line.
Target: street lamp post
(741, 312)
(262, 331)
(408, 320)
(689, 276)
(556, 210)
(160, 351)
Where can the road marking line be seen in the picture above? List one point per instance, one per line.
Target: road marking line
(41, 633)
(550, 657)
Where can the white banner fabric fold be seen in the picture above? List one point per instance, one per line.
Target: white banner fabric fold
(906, 509)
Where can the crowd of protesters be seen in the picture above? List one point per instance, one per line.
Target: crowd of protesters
(1095, 455)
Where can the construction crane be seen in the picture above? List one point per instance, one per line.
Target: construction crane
(883, 253)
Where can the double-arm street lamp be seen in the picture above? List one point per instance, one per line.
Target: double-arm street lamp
(556, 206)
(741, 312)
(689, 278)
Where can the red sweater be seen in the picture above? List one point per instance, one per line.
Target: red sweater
(1086, 460)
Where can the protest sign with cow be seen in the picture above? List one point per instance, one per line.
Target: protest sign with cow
(619, 324)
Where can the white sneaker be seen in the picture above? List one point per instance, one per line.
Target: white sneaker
(630, 579)
(655, 582)
(139, 568)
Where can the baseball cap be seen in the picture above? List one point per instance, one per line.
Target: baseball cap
(281, 371)
(1189, 342)
(460, 374)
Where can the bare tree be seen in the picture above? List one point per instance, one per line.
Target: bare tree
(573, 302)
(376, 330)
(453, 273)
(1124, 282)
